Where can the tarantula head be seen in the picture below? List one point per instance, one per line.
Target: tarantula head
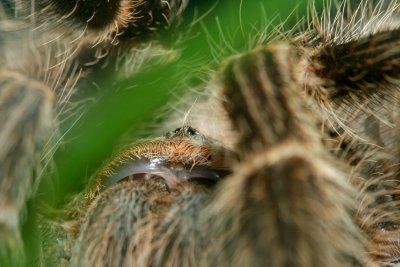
(182, 160)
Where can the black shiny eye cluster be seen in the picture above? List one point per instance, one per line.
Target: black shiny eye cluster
(184, 131)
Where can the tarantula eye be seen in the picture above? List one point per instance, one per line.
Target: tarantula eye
(157, 168)
(173, 133)
(190, 131)
(184, 131)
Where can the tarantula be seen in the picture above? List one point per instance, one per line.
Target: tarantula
(285, 155)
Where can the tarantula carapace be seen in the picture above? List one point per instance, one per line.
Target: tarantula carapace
(284, 155)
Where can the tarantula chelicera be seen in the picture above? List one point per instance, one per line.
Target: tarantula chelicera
(284, 155)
